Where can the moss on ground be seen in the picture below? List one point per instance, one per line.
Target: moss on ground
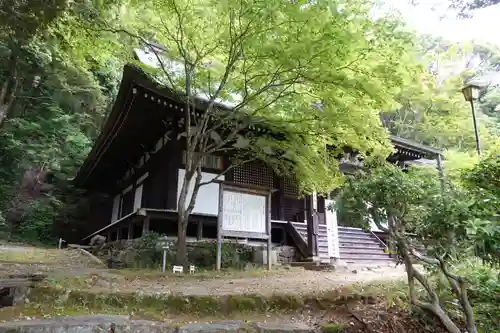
(332, 328)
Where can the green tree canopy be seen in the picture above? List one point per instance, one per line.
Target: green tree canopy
(278, 64)
(320, 72)
(433, 110)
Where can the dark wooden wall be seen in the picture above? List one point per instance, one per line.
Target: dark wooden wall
(160, 187)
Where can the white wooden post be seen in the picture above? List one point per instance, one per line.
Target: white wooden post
(145, 226)
(332, 231)
(116, 208)
(138, 198)
(164, 264)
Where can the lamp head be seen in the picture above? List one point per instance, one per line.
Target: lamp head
(471, 92)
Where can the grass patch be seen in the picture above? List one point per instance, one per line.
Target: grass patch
(29, 256)
(391, 291)
(200, 305)
(332, 328)
(46, 311)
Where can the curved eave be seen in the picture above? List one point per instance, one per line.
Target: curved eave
(413, 150)
(122, 117)
(110, 126)
(136, 122)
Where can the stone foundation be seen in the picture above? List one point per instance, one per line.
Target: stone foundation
(286, 254)
(282, 254)
(122, 324)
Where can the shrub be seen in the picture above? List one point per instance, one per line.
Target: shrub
(145, 254)
(234, 255)
(484, 292)
(142, 253)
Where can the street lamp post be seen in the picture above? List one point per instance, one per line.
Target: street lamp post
(471, 93)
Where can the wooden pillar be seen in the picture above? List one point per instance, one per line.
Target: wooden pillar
(199, 230)
(118, 233)
(109, 236)
(145, 225)
(281, 195)
(130, 231)
(312, 230)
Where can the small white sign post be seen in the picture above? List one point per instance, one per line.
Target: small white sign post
(164, 245)
(243, 213)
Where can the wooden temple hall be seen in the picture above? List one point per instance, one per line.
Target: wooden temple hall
(140, 170)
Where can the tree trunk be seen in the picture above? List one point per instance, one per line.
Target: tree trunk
(182, 220)
(181, 252)
(8, 89)
(413, 274)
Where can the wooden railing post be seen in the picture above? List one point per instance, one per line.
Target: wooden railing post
(312, 230)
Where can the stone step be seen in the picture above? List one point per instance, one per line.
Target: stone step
(351, 231)
(353, 237)
(349, 228)
(359, 241)
(304, 226)
(356, 234)
(362, 262)
(359, 256)
(360, 245)
(313, 266)
(351, 251)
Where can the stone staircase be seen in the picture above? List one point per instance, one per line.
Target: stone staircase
(356, 245)
(322, 239)
(360, 247)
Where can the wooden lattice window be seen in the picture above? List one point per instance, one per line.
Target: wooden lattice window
(290, 188)
(294, 209)
(253, 174)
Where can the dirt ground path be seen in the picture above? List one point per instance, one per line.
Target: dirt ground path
(73, 264)
(296, 281)
(281, 281)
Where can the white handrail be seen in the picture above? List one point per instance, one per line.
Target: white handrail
(385, 245)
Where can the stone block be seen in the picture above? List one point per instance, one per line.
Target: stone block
(260, 256)
(86, 324)
(229, 326)
(122, 324)
(286, 254)
(282, 328)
